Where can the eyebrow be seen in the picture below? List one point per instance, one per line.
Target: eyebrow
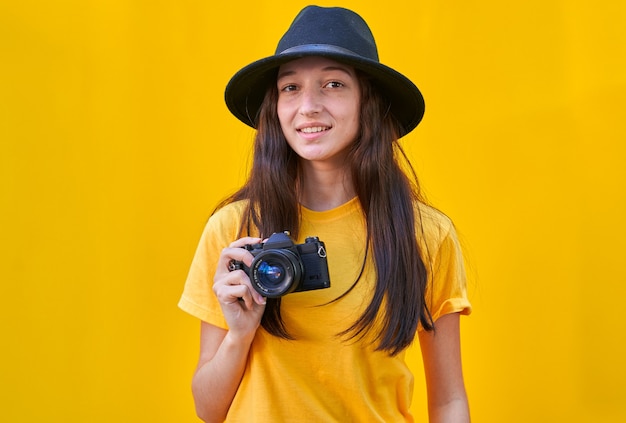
(325, 69)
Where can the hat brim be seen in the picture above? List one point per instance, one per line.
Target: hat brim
(246, 89)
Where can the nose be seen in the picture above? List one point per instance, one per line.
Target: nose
(310, 101)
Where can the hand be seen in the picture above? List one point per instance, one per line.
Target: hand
(241, 304)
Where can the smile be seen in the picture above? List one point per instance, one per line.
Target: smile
(314, 129)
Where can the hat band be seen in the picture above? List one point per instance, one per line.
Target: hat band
(321, 49)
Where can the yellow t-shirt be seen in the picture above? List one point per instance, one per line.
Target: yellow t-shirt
(320, 377)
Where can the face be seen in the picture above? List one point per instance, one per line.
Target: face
(318, 107)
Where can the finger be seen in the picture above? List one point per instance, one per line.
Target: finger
(244, 241)
(240, 294)
(235, 251)
(238, 278)
(235, 294)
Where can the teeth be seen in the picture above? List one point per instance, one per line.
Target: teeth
(313, 129)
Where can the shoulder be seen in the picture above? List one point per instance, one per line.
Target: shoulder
(433, 227)
(226, 220)
(432, 220)
(229, 211)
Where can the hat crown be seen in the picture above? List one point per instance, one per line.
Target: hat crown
(332, 26)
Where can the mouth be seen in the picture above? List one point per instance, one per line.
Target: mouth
(314, 129)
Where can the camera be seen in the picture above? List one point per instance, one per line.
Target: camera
(280, 266)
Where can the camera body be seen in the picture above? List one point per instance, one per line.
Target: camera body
(281, 267)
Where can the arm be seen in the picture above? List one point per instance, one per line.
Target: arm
(224, 353)
(441, 352)
(220, 368)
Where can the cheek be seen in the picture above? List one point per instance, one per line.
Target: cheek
(283, 113)
(354, 111)
(284, 120)
(355, 121)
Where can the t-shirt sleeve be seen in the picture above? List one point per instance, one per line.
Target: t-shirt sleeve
(198, 298)
(447, 289)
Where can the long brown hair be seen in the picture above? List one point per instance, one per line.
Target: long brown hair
(387, 196)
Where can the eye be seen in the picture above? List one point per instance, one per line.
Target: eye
(334, 84)
(288, 88)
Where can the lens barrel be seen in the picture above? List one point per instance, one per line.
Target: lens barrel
(276, 272)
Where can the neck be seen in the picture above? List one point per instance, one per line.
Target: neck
(325, 188)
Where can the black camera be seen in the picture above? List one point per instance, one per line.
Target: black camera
(280, 267)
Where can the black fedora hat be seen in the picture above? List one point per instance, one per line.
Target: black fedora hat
(335, 33)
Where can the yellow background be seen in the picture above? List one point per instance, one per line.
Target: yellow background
(115, 144)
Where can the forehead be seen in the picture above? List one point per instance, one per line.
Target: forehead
(314, 63)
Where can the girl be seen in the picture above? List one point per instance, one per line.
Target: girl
(327, 164)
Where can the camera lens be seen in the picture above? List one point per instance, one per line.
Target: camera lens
(270, 273)
(276, 272)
